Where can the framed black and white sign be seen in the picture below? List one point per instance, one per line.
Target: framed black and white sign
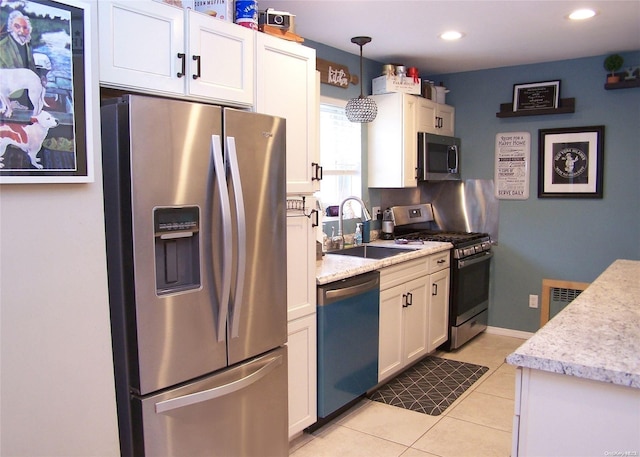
(536, 96)
(512, 158)
(45, 92)
(570, 162)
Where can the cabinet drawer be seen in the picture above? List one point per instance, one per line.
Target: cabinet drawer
(439, 261)
(403, 272)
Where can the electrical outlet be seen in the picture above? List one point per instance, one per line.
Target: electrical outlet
(374, 212)
(533, 301)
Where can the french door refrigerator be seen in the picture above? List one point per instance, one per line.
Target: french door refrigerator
(195, 210)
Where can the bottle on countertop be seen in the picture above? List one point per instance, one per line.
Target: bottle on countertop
(357, 238)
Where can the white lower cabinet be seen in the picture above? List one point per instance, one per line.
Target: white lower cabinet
(403, 326)
(301, 316)
(302, 373)
(438, 309)
(414, 311)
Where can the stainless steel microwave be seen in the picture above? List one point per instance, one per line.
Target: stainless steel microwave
(438, 157)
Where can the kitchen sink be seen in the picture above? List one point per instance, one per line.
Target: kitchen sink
(370, 252)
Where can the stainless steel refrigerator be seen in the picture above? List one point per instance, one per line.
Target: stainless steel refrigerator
(195, 204)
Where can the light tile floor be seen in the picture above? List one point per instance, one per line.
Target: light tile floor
(477, 424)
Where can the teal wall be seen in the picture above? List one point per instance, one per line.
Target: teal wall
(570, 239)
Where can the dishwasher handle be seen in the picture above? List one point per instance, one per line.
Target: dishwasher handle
(348, 288)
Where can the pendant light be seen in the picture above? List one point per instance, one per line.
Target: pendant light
(361, 109)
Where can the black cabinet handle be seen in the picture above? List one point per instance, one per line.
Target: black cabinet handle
(317, 172)
(404, 300)
(181, 56)
(315, 213)
(434, 289)
(197, 59)
(409, 299)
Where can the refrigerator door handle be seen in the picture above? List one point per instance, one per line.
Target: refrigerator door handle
(232, 158)
(225, 208)
(265, 367)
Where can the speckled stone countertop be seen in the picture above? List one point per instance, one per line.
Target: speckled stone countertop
(597, 336)
(334, 267)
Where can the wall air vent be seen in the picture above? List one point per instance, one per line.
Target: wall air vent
(561, 297)
(556, 294)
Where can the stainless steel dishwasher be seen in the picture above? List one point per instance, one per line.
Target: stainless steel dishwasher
(348, 321)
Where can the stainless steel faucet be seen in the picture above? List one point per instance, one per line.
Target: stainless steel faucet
(366, 216)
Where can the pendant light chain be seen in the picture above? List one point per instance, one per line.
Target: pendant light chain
(361, 109)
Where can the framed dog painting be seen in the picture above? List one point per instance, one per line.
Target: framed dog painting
(43, 92)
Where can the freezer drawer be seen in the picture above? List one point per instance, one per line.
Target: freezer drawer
(241, 411)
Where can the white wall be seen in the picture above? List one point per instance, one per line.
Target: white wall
(57, 393)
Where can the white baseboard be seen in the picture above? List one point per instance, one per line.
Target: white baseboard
(509, 332)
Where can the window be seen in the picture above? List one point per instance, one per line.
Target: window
(340, 153)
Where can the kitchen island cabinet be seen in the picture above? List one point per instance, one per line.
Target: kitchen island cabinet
(158, 48)
(578, 379)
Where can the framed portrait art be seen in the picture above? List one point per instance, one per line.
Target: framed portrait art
(45, 93)
(570, 162)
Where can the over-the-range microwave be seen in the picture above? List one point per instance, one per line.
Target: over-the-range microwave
(438, 157)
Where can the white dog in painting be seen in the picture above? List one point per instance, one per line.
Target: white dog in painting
(28, 137)
(14, 79)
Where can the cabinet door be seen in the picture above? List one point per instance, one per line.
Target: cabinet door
(301, 263)
(438, 308)
(302, 373)
(426, 116)
(393, 142)
(221, 60)
(446, 120)
(286, 87)
(415, 319)
(390, 358)
(139, 45)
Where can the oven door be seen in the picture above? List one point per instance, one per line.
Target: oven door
(470, 287)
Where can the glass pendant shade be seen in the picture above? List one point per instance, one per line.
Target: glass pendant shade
(361, 109)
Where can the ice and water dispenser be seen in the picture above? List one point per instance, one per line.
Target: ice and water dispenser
(177, 248)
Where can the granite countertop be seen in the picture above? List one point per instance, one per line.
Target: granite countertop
(597, 336)
(334, 267)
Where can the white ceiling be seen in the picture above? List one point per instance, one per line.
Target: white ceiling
(497, 33)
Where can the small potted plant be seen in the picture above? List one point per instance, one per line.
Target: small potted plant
(612, 64)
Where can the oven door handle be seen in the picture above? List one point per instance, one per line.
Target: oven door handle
(486, 255)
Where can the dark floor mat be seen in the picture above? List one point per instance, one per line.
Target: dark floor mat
(429, 386)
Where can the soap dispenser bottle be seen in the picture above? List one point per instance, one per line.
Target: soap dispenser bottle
(357, 238)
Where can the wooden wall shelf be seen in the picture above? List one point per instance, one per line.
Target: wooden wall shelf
(566, 105)
(624, 84)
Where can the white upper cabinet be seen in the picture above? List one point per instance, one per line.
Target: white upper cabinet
(435, 117)
(222, 57)
(286, 86)
(158, 48)
(393, 142)
(393, 136)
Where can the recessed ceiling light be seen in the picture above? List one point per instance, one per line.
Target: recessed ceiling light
(451, 35)
(579, 15)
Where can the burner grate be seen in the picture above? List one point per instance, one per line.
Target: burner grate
(451, 237)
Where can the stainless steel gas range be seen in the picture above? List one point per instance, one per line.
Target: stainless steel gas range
(470, 269)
